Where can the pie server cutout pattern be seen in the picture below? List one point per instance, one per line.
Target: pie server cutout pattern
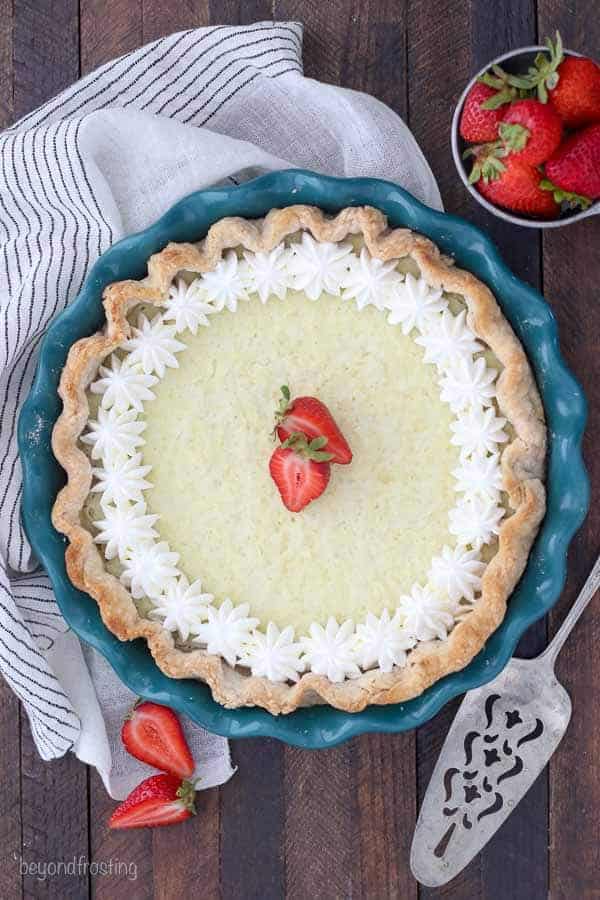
(500, 740)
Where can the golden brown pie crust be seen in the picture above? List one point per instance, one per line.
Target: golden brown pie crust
(523, 463)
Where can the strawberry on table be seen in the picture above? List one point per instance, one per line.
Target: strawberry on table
(575, 167)
(301, 470)
(153, 734)
(477, 123)
(518, 188)
(530, 130)
(159, 800)
(313, 419)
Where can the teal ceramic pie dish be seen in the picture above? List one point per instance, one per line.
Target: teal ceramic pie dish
(532, 319)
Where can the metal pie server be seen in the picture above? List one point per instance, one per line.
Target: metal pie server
(502, 736)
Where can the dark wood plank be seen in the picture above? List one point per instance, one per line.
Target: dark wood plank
(55, 826)
(160, 18)
(385, 782)
(6, 63)
(109, 28)
(322, 837)
(570, 267)
(129, 853)
(239, 12)
(122, 861)
(45, 51)
(53, 795)
(570, 271)
(186, 858)
(10, 794)
(252, 811)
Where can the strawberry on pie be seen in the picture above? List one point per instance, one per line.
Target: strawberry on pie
(357, 552)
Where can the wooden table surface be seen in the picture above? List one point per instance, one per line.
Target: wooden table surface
(337, 823)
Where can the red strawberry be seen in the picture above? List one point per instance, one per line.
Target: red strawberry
(531, 131)
(476, 124)
(576, 97)
(311, 417)
(575, 167)
(518, 188)
(572, 84)
(153, 734)
(159, 800)
(300, 470)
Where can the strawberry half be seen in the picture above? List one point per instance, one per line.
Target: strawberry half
(153, 734)
(159, 800)
(312, 418)
(301, 470)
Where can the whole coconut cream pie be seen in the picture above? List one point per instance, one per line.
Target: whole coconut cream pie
(305, 461)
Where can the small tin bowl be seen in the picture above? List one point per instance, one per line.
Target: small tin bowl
(517, 61)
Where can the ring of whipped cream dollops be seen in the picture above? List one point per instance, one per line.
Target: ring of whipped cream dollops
(497, 427)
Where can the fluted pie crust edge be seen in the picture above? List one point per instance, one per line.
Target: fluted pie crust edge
(522, 460)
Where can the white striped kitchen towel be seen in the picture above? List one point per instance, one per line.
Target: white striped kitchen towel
(103, 159)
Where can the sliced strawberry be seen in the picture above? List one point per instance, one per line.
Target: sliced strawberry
(159, 800)
(300, 478)
(312, 418)
(153, 734)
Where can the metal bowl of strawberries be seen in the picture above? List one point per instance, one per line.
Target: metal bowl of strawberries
(526, 136)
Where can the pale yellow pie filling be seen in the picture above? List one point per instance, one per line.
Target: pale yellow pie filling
(382, 518)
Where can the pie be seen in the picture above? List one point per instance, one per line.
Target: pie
(395, 576)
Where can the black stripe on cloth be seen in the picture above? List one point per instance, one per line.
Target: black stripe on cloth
(14, 671)
(34, 651)
(197, 73)
(237, 89)
(51, 207)
(182, 55)
(8, 141)
(241, 70)
(38, 585)
(43, 259)
(89, 101)
(12, 452)
(19, 596)
(39, 612)
(39, 729)
(46, 748)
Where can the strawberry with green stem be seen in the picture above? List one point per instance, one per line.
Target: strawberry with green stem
(312, 418)
(158, 800)
(531, 131)
(518, 188)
